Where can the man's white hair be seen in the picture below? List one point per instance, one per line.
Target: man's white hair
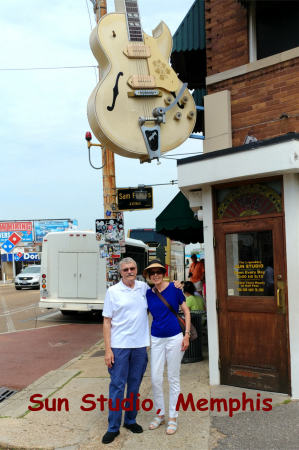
(126, 261)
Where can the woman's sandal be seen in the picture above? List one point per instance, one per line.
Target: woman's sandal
(171, 427)
(156, 422)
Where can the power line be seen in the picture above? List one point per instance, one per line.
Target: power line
(88, 14)
(46, 68)
(90, 22)
(180, 154)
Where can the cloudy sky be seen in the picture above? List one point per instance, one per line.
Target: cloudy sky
(45, 171)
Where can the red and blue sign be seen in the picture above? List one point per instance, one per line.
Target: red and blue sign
(24, 231)
(11, 242)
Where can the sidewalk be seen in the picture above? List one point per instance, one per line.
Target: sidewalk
(83, 430)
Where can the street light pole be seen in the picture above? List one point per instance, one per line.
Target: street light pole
(109, 184)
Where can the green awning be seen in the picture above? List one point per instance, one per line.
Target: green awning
(191, 34)
(188, 57)
(177, 222)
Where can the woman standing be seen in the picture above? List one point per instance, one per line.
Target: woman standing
(167, 342)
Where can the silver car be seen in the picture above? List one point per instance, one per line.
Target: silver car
(28, 278)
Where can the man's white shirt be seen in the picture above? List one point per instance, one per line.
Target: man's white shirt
(127, 308)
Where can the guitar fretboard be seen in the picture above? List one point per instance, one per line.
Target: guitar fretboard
(133, 21)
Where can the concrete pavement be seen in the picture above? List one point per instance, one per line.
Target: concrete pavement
(86, 377)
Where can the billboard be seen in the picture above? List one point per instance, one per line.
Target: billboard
(42, 227)
(23, 229)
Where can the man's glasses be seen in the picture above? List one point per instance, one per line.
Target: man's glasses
(126, 269)
(156, 272)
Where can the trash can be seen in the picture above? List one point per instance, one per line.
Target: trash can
(194, 352)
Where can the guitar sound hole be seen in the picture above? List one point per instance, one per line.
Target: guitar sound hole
(115, 92)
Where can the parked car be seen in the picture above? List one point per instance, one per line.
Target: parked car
(29, 277)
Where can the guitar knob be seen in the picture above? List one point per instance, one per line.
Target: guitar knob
(168, 100)
(184, 99)
(191, 114)
(178, 115)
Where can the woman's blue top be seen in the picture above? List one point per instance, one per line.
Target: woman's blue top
(165, 323)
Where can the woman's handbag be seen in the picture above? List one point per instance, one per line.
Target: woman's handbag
(182, 323)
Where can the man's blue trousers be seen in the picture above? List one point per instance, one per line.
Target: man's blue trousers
(128, 369)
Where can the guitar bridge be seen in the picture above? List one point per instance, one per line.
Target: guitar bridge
(145, 93)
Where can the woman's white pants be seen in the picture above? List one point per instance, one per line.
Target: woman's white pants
(162, 350)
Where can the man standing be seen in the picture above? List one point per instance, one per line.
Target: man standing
(196, 273)
(126, 336)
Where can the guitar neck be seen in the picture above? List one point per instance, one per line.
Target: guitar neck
(133, 21)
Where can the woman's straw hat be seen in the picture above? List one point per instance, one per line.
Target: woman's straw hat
(155, 263)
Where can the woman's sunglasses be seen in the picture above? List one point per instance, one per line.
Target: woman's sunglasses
(156, 272)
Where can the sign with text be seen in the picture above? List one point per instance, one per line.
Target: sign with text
(23, 229)
(29, 257)
(127, 199)
(42, 227)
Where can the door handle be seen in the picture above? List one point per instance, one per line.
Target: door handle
(280, 295)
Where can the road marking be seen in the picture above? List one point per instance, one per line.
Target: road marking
(9, 322)
(37, 329)
(18, 310)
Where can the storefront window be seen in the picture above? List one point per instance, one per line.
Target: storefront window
(249, 262)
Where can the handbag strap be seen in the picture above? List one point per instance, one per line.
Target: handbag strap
(167, 304)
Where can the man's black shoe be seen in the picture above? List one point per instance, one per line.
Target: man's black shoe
(134, 427)
(109, 437)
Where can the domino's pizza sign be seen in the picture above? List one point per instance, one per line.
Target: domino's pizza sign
(11, 242)
(27, 257)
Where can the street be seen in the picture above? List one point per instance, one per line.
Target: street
(35, 341)
(19, 311)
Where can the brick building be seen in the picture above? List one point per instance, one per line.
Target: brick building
(245, 186)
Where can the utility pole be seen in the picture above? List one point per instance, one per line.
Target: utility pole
(109, 185)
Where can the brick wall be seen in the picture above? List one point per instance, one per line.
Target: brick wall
(226, 35)
(260, 98)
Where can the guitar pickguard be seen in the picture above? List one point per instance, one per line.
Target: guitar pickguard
(115, 92)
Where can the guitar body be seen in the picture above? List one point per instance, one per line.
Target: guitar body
(113, 107)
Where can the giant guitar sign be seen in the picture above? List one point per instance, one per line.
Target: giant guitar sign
(139, 109)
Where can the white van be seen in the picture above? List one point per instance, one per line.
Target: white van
(73, 276)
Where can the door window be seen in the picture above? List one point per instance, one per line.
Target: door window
(249, 200)
(249, 263)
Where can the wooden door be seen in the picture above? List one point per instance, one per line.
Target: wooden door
(252, 304)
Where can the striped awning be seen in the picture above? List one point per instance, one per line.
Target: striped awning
(191, 34)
